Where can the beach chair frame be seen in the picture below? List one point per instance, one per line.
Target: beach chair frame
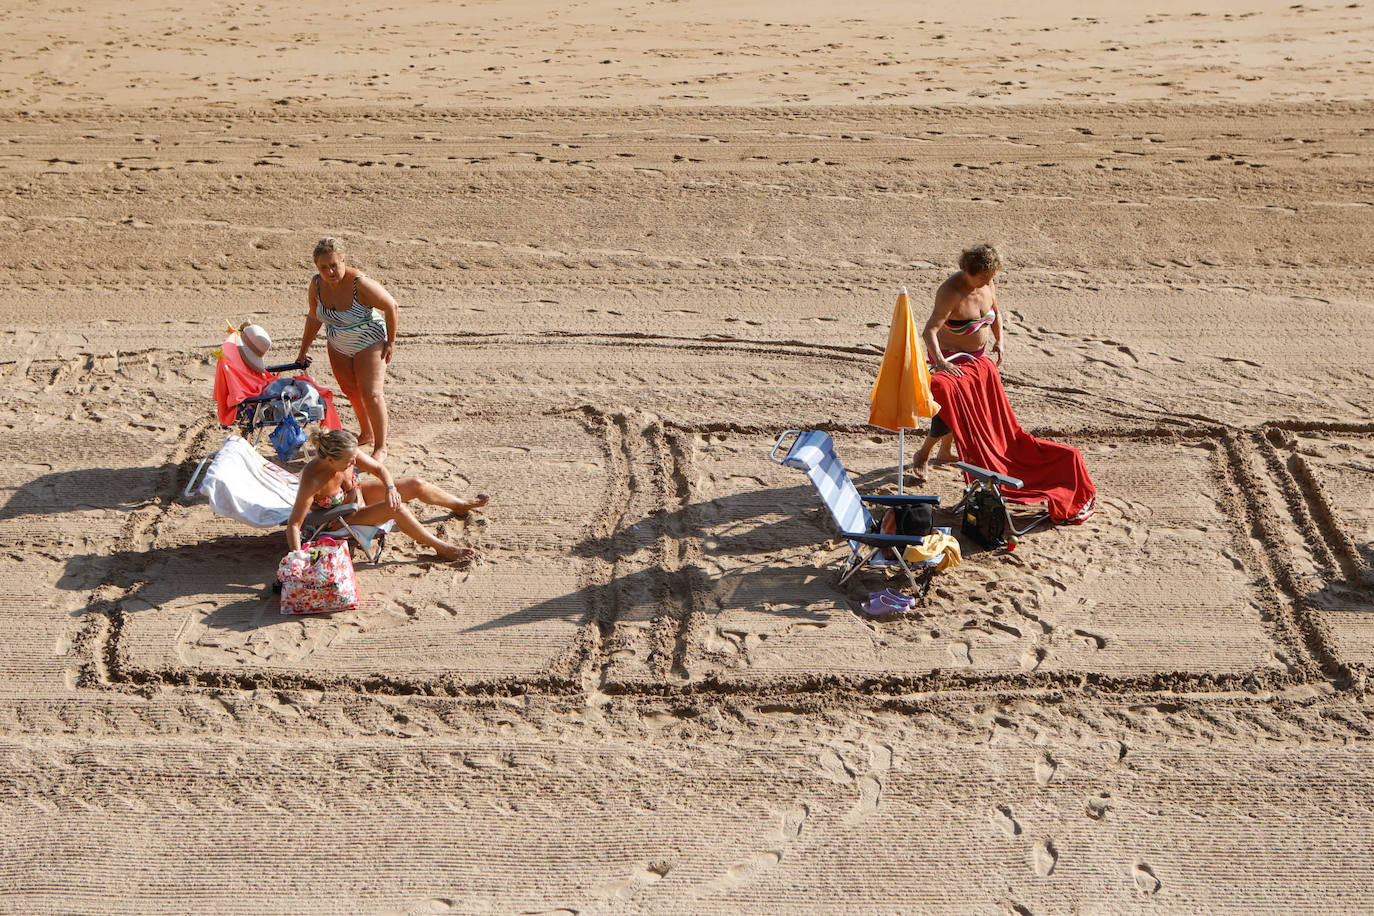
(268, 506)
(813, 452)
(369, 539)
(993, 482)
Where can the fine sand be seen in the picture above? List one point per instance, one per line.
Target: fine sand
(632, 243)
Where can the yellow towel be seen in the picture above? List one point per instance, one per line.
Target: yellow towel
(933, 546)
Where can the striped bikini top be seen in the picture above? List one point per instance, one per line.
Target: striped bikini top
(355, 316)
(969, 326)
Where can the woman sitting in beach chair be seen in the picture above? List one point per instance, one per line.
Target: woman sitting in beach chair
(329, 482)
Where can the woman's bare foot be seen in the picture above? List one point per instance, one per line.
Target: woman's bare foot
(919, 471)
(378, 454)
(463, 506)
(456, 554)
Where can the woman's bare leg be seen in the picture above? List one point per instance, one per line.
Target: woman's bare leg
(920, 463)
(426, 492)
(371, 374)
(346, 375)
(946, 454)
(378, 513)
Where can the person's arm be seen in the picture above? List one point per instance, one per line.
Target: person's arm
(998, 352)
(944, 305)
(300, 509)
(312, 323)
(374, 295)
(377, 469)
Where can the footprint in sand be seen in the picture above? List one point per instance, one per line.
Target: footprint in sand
(793, 820)
(1044, 858)
(1045, 768)
(1145, 880)
(1004, 819)
(833, 766)
(435, 905)
(1031, 659)
(640, 878)
(961, 652)
(1092, 639)
(788, 829)
(871, 784)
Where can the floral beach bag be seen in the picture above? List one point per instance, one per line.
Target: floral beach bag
(318, 579)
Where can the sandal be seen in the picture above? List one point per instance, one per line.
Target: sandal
(888, 601)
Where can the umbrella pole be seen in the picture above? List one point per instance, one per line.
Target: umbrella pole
(901, 458)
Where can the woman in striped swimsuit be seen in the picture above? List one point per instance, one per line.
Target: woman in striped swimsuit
(359, 318)
(963, 324)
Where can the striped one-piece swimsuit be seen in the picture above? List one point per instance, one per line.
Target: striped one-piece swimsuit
(350, 331)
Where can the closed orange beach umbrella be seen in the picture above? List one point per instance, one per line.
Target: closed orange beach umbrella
(901, 395)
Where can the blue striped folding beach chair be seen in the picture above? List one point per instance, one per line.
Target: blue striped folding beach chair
(813, 451)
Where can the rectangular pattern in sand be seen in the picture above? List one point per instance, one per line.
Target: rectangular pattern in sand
(1341, 467)
(205, 602)
(1156, 582)
(66, 498)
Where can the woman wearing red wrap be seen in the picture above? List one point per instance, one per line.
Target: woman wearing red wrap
(964, 321)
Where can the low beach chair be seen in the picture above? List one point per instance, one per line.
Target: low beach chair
(987, 515)
(813, 452)
(242, 484)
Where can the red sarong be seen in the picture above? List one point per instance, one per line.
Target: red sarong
(975, 407)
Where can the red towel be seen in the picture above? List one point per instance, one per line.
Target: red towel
(235, 383)
(975, 408)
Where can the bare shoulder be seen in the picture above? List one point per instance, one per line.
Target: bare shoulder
(313, 476)
(949, 291)
(370, 292)
(951, 285)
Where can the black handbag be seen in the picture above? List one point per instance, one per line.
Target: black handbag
(908, 521)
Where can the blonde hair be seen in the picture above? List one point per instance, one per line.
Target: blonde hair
(980, 259)
(333, 443)
(327, 245)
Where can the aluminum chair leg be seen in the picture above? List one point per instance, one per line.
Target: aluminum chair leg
(910, 576)
(855, 563)
(1039, 521)
(196, 473)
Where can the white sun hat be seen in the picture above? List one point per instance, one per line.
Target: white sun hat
(254, 343)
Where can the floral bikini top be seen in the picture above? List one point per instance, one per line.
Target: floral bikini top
(339, 498)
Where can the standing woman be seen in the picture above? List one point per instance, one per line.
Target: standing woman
(359, 318)
(963, 324)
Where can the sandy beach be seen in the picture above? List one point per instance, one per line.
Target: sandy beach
(632, 243)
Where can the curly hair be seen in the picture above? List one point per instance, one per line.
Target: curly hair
(333, 443)
(327, 245)
(980, 258)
